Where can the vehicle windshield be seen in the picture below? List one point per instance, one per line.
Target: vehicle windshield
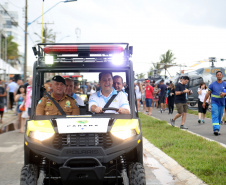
(83, 86)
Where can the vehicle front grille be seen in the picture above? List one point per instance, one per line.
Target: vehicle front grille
(82, 140)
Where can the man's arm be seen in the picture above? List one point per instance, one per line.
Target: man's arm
(181, 92)
(96, 109)
(40, 108)
(123, 111)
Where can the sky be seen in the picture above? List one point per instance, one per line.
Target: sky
(193, 30)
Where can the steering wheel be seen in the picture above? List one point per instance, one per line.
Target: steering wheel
(110, 108)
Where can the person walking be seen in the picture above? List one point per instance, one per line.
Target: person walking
(2, 100)
(217, 90)
(162, 96)
(11, 88)
(156, 96)
(148, 96)
(202, 90)
(181, 102)
(138, 91)
(20, 98)
(171, 98)
(143, 97)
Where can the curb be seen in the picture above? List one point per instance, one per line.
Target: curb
(175, 169)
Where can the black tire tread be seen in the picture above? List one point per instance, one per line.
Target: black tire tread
(136, 174)
(29, 175)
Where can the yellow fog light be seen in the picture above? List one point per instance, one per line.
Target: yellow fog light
(41, 136)
(124, 134)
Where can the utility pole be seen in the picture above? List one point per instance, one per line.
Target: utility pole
(25, 44)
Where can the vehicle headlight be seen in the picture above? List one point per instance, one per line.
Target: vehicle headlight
(124, 134)
(40, 135)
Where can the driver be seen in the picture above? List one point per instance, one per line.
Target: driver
(98, 100)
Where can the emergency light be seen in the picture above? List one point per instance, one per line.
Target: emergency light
(92, 49)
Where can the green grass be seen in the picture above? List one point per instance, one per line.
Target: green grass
(205, 159)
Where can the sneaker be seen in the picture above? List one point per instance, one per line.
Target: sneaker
(183, 127)
(199, 121)
(172, 122)
(216, 132)
(225, 122)
(161, 111)
(203, 121)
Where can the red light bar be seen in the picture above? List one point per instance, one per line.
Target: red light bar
(60, 49)
(92, 49)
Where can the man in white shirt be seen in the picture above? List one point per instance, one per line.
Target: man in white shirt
(69, 91)
(98, 100)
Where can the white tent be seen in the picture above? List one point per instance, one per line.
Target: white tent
(8, 69)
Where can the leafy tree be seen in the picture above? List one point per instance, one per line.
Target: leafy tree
(48, 36)
(140, 75)
(12, 50)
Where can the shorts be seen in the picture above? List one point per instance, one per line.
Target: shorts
(201, 109)
(2, 110)
(148, 102)
(181, 108)
(162, 99)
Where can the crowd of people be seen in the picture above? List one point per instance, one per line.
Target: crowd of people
(19, 97)
(150, 95)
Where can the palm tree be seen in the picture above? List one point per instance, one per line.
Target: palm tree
(167, 60)
(140, 75)
(12, 50)
(155, 68)
(48, 36)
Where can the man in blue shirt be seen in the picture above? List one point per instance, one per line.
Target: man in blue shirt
(217, 90)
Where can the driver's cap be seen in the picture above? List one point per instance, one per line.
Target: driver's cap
(58, 78)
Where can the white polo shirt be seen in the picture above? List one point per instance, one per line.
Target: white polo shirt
(100, 100)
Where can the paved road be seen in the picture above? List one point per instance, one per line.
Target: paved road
(11, 161)
(205, 130)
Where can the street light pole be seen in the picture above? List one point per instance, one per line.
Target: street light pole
(25, 45)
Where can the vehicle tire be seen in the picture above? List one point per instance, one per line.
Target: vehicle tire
(29, 175)
(136, 174)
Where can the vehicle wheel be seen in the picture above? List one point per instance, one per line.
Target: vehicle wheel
(136, 174)
(29, 175)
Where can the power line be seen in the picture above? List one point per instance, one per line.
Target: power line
(13, 21)
(14, 5)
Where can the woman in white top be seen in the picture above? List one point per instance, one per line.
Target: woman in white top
(202, 90)
(138, 91)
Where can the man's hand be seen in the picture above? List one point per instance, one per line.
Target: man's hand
(123, 111)
(222, 95)
(204, 105)
(98, 110)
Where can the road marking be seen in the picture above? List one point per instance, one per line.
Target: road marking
(10, 149)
